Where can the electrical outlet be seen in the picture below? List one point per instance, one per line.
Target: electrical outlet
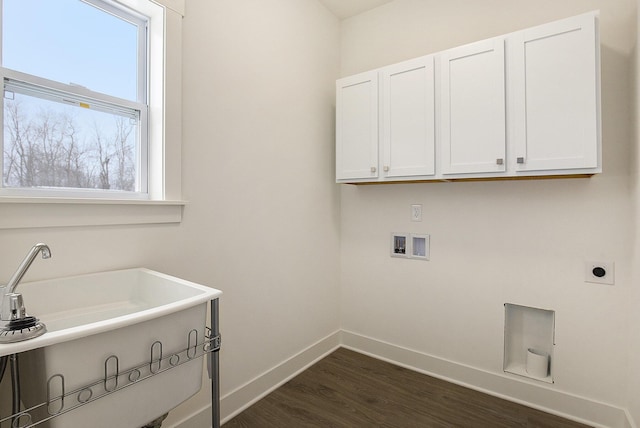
(416, 212)
(600, 272)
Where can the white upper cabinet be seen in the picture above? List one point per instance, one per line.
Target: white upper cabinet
(472, 114)
(357, 126)
(519, 105)
(385, 126)
(555, 89)
(407, 119)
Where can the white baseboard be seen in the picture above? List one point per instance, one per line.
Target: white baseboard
(200, 419)
(629, 422)
(528, 393)
(241, 398)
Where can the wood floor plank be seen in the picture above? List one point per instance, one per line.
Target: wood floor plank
(348, 389)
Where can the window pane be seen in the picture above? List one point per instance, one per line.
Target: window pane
(50, 144)
(70, 41)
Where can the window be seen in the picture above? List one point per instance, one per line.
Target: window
(76, 103)
(49, 206)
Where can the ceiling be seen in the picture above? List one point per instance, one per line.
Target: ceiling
(348, 8)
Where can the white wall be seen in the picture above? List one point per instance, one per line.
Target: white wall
(521, 242)
(262, 222)
(634, 318)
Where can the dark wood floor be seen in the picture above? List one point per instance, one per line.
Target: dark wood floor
(348, 389)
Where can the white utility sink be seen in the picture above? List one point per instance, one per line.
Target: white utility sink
(125, 347)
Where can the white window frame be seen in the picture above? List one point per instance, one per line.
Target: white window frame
(63, 93)
(164, 97)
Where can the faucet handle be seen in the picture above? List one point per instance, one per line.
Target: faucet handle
(12, 307)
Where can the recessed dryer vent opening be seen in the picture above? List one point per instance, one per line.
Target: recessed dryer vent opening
(529, 339)
(420, 247)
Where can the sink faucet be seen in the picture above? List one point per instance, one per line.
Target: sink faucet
(24, 266)
(15, 324)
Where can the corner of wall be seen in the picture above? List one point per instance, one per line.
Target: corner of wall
(633, 388)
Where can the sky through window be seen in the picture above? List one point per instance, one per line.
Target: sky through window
(70, 41)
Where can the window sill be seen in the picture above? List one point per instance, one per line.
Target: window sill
(19, 213)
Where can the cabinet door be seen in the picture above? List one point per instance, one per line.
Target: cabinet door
(472, 91)
(357, 126)
(555, 87)
(407, 121)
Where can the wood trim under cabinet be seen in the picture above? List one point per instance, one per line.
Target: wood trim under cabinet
(451, 180)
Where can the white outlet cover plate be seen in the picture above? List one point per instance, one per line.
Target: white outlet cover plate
(608, 278)
(416, 212)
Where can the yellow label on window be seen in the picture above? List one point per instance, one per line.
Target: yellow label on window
(85, 105)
